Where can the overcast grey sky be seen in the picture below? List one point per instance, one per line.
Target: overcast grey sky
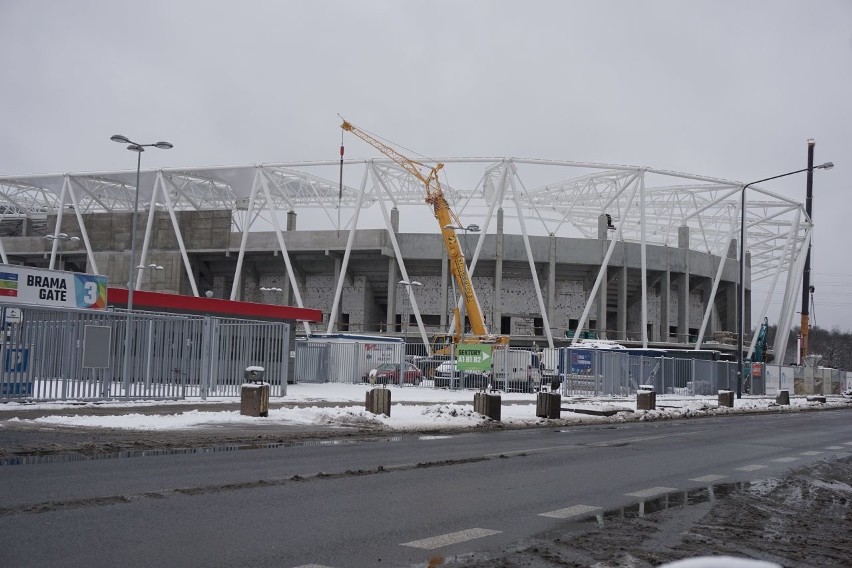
(729, 89)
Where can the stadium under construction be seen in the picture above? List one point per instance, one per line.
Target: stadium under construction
(556, 249)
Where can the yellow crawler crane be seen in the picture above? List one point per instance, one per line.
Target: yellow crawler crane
(446, 221)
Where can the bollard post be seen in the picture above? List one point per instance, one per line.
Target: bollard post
(487, 405)
(783, 398)
(646, 398)
(379, 401)
(548, 405)
(726, 398)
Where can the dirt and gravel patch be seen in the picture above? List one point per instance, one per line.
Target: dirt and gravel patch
(800, 520)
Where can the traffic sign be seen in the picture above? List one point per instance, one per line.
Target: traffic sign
(474, 357)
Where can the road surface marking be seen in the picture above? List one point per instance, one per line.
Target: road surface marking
(785, 460)
(848, 443)
(652, 492)
(448, 539)
(569, 512)
(313, 566)
(835, 448)
(812, 453)
(709, 478)
(751, 467)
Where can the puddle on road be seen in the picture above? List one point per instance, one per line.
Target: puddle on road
(674, 499)
(73, 457)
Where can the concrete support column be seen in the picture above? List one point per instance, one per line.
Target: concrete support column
(683, 286)
(602, 299)
(286, 287)
(497, 314)
(551, 283)
(621, 315)
(683, 307)
(393, 277)
(747, 303)
(665, 304)
(729, 322)
(603, 237)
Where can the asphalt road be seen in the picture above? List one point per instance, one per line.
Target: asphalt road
(383, 502)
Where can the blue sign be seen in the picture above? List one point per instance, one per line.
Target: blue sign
(16, 389)
(17, 359)
(581, 362)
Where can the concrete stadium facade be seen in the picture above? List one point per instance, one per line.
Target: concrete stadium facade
(594, 247)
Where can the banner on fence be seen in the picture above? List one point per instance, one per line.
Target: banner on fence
(52, 288)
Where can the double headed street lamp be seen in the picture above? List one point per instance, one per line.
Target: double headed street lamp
(138, 148)
(151, 267)
(741, 294)
(60, 239)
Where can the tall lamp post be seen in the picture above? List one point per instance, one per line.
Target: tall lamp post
(138, 148)
(741, 283)
(473, 228)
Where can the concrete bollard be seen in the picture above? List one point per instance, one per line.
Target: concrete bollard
(783, 398)
(254, 399)
(548, 405)
(816, 398)
(379, 401)
(487, 405)
(726, 398)
(646, 398)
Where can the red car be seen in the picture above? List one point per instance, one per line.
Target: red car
(388, 373)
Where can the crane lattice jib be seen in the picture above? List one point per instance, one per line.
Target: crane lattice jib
(446, 220)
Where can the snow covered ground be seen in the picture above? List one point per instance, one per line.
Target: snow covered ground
(413, 408)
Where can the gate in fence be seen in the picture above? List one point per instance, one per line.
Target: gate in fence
(60, 354)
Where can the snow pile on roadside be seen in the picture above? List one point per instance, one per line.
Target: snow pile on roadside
(413, 408)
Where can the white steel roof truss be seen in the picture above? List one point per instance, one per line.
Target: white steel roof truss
(161, 181)
(283, 246)
(533, 272)
(596, 286)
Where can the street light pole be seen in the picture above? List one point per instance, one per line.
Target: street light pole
(138, 148)
(741, 281)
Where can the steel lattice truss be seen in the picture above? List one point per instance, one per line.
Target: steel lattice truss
(569, 203)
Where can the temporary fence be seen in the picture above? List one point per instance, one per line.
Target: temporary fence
(600, 372)
(60, 354)
(344, 358)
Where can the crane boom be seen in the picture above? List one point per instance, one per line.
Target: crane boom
(446, 218)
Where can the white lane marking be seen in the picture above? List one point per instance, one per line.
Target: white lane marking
(653, 491)
(448, 539)
(812, 453)
(313, 566)
(435, 437)
(848, 443)
(750, 467)
(785, 460)
(569, 512)
(709, 478)
(835, 448)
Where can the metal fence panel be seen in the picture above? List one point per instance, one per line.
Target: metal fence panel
(151, 355)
